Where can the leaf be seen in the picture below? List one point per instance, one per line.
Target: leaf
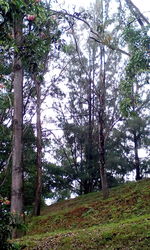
(4, 5)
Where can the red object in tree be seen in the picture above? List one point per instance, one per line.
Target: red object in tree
(1, 86)
(37, 1)
(7, 202)
(31, 17)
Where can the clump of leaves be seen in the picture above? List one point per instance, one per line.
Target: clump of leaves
(138, 43)
(8, 222)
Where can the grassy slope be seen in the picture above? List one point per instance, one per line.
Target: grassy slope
(88, 222)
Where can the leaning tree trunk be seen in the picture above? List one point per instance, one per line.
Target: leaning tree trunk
(37, 207)
(17, 168)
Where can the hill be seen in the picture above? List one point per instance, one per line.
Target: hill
(89, 222)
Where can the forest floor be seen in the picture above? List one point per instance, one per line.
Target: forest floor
(89, 222)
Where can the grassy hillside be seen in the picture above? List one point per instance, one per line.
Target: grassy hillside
(89, 222)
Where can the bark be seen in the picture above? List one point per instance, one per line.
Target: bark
(90, 141)
(102, 161)
(37, 207)
(101, 125)
(17, 165)
(81, 170)
(136, 157)
(17, 168)
(135, 137)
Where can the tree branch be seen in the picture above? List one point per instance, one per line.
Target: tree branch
(137, 13)
(93, 32)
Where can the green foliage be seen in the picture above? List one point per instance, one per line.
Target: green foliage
(29, 160)
(138, 63)
(38, 35)
(138, 42)
(56, 182)
(136, 38)
(4, 5)
(8, 222)
(5, 150)
(118, 160)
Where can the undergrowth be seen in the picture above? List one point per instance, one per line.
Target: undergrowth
(89, 222)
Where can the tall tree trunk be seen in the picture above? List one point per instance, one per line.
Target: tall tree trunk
(81, 169)
(102, 161)
(90, 149)
(37, 207)
(101, 125)
(135, 137)
(136, 157)
(17, 168)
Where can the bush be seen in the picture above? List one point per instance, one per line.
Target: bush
(7, 223)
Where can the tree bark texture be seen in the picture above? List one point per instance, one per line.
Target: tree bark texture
(90, 141)
(135, 139)
(136, 157)
(102, 161)
(17, 168)
(101, 125)
(38, 192)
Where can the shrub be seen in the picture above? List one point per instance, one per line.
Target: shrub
(7, 223)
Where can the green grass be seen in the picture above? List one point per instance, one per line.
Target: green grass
(89, 222)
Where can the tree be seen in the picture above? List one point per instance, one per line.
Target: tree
(135, 100)
(28, 38)
(17, 168)
(106, 110)
(93, 104)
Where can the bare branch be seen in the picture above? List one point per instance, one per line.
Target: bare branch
(137, 13)
(93, 32)
(112, 47)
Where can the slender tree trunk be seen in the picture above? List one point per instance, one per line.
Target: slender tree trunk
(135, 138)
(136, 157)
(89, 155)
(102, 161)
(101, 125)
(81, 170)
(17, 165)
(17, 168)
(37, 207)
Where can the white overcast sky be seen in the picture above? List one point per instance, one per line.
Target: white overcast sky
(143, 5)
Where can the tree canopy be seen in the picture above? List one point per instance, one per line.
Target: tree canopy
(74, 100)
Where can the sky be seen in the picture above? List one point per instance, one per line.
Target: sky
(143, 5)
